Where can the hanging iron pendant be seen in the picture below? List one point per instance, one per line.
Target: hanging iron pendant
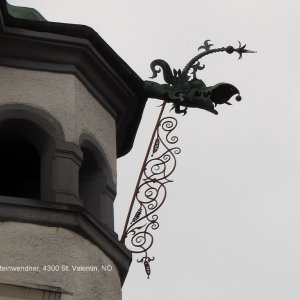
(183, 90)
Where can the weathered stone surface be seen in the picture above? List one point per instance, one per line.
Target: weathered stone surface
(35, 245)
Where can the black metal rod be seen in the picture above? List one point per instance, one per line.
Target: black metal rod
(124, 235)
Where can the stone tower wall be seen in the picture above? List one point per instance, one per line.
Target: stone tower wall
(80, 116)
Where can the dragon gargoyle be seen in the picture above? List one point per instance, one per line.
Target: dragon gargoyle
(183, 89)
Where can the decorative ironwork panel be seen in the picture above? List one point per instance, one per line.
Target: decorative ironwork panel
(151, 191)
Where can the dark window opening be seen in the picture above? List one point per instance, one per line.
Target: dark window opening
(20, 168)
(91, 182)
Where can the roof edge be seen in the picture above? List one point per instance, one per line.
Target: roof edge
(26, 13)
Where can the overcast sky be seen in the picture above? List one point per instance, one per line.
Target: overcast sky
(230, 227)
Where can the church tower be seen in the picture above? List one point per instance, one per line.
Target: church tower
(69, 106)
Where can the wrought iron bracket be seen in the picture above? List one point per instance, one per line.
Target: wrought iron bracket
(151, 191)
(182, 89)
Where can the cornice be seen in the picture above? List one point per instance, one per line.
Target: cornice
(70, 217)
(79, 50)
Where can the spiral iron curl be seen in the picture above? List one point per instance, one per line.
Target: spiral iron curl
(152, 192)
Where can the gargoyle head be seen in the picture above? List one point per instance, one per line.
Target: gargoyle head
(196, 94)
(222, 92)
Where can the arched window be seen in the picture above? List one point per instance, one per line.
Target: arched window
(24, 147)
(96, 188)
(91, 181)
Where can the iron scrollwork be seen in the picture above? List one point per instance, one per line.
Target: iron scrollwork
(151, 192)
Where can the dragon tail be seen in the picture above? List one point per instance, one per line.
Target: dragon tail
(164, 66)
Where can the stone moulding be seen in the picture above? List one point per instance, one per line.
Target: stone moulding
(79, 50)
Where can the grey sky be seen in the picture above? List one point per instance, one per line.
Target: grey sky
(230, 227)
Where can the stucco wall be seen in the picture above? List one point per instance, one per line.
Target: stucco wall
(38, 246)
(67, 100)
